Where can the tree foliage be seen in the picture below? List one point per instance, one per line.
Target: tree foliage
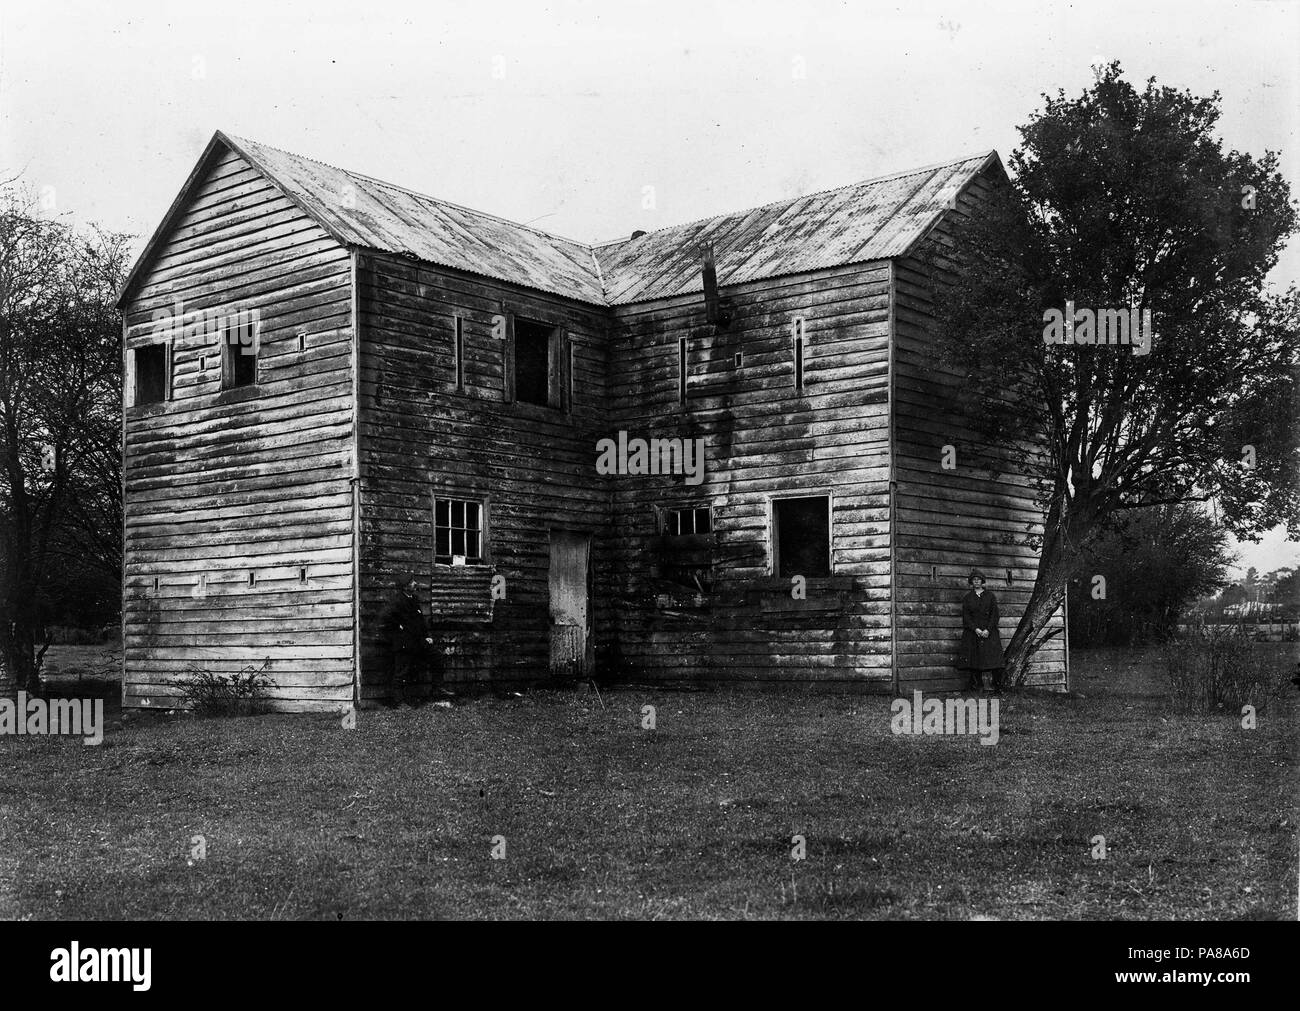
(60, 410)
(1156, 562)
(1125, 198)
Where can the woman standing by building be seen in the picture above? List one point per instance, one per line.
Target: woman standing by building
(981, 645)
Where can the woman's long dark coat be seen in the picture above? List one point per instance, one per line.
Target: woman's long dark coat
(975, 653)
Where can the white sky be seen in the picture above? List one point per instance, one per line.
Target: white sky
(110, 104)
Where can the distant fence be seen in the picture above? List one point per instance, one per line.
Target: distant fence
(1261, 631)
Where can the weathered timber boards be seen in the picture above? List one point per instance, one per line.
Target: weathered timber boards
(237, 521)
(982, 514)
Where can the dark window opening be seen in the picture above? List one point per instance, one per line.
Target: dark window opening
(151, 374)
(686, 547)
(457, 531)
(239, 353)
(802, 536)
(533, 362)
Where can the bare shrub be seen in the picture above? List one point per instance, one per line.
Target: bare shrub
(1214, 667)
(240, 694)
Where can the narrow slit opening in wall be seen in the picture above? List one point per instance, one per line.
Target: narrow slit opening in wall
(740, 359)
(681, 370)
(302, 576)
(252, 578)
(458, 353)
(798, 362)
(1008, 577)
(155, 584)
(302, 342)
(573, 371)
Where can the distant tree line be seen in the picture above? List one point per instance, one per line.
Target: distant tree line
(1274, 594)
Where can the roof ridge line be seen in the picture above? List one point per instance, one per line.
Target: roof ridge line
(406, 189)
(461, 207)
(816, 193)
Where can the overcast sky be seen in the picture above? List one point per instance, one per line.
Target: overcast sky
(561, 114)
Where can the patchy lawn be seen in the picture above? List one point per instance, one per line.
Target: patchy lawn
(304, 819)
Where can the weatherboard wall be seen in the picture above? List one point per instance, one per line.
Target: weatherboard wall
(763, 439)
(420, 436)
(979, 514)
(221, 488)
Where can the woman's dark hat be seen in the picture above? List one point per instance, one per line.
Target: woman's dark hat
(974, 575)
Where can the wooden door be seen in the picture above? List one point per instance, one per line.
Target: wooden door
(570, 603)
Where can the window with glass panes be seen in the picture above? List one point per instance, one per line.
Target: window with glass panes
(687, 522)
(686, 547)
(457, 530)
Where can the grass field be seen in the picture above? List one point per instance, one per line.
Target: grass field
(304, 819)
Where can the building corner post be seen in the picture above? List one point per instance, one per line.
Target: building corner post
(354, 478)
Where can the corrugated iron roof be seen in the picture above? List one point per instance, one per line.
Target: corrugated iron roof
(870, 220)
(361, 211)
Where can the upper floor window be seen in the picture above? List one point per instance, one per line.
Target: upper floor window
(801, 536)
(539, 365)
(457, 531)
(239, 349)
(149, 374)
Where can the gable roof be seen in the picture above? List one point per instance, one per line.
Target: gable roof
(870, 220)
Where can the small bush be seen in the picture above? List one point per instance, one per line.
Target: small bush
(1216, 667)
(241, 694)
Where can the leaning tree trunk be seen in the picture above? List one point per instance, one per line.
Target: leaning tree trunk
(1059, 557)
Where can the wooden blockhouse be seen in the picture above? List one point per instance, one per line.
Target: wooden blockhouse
(331, 380)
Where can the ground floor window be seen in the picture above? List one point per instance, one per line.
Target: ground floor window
(457, 531)
(801, 536)
(686, 546)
